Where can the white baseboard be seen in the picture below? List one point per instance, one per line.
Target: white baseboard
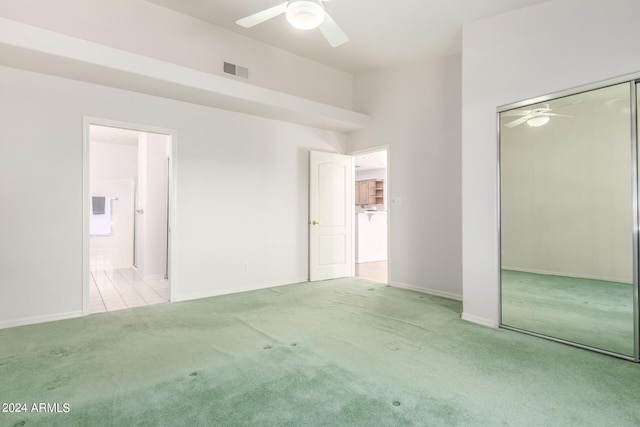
(154, 277)
(147, 277)
(435, 292)
(39, 319)
(480, 320)
(574, 275)
(235, 290)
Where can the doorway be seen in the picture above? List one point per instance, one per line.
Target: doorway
(128, 175)
(371, 214)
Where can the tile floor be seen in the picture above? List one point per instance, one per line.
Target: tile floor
(376, 271)
(119, 289)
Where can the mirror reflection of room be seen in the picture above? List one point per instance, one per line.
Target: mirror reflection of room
(371, 216)
(566, 199)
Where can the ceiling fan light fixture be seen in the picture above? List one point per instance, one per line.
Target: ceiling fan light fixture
(305, 14)
(538, 121)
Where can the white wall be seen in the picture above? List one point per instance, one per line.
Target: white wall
(114, 168)
(371, 174)
(147, 29)
(416, 110)
(566, 190)
(241, 193)
(531, 52)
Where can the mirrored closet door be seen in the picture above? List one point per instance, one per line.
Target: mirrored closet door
(568, 219)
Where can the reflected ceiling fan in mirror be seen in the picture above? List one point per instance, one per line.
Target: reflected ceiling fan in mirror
(534, 117)
(304, 15)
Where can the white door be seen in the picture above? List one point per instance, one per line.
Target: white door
(330, 216)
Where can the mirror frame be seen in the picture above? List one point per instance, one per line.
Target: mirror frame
(633, 81)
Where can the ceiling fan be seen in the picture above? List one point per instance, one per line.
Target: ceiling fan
(304, 15)
(534, 117)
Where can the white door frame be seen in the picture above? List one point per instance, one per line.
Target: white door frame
(87, 121)
(387, 196)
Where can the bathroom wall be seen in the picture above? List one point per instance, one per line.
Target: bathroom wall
(113, 170)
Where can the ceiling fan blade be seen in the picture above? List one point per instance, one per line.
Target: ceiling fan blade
(260, 17)
(556, 114)
(330, 30)
(567, 104)
(519, 121)
(515, 113)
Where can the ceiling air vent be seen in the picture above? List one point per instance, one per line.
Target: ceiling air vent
(236, 70)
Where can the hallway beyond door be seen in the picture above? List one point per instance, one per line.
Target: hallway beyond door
(119, 289)
(376, 271)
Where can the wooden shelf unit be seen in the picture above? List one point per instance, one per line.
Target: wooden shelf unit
(369, 192)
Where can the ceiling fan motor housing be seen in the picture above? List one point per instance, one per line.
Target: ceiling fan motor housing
(305, 14)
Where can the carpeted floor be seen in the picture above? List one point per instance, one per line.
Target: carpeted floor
(344, 352)
(592, 312)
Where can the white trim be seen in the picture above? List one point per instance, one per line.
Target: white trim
(86, 256)
(235, 290)
(87, 121)
(480, 320)
(625, 78)
(58, 54)
(153, 277)
(39, 319)
(434, 292)
(574, 275)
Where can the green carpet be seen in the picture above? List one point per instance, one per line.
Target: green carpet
(344, 352)
(592, 312)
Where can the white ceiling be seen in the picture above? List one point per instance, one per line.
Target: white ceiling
(377, 160)
(382, 33)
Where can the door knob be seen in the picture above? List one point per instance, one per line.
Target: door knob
(314, 223)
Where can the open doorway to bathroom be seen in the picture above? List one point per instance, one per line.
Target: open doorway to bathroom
(129, 171)
(371, 215)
